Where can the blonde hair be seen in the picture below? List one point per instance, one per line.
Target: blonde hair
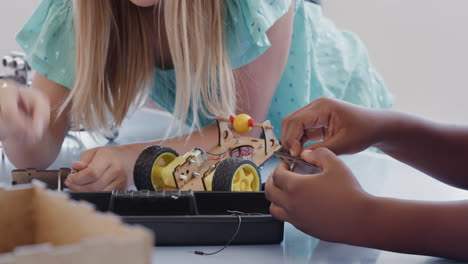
(115, 60)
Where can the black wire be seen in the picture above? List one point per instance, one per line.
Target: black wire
(238, 214)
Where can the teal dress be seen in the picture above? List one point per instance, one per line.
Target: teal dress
(323, 60)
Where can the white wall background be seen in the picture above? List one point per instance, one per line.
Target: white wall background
(419, 47)
(14, 14)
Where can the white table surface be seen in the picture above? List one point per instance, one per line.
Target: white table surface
(378, 174)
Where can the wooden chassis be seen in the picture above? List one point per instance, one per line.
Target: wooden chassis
(50, 177)
(263, 149)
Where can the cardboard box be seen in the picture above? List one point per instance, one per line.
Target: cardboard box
(41, 226)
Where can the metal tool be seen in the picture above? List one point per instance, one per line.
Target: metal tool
(296, 164)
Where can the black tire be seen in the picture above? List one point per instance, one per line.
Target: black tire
(224, 173)
(144, 166)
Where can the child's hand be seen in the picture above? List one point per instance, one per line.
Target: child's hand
(24, 113)
(329, 205)
(103, 169)
(344, 128)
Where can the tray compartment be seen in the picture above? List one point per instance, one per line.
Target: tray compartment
(194, 218)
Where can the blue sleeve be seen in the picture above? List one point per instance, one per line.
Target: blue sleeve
(247, 22)
(49, 42)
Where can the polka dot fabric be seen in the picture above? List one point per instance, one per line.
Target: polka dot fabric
(323, 60)
(48, 40)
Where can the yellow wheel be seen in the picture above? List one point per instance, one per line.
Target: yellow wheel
(149, 165)
(237, 175)
(245, 179)
(164, 159)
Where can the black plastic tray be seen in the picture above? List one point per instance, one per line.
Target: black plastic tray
(193, 218)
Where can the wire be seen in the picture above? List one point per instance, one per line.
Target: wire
(236, 213)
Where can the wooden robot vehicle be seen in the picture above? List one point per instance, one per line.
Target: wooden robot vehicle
(233, 165)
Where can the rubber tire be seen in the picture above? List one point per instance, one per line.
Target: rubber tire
(144, 166)
(224, 173)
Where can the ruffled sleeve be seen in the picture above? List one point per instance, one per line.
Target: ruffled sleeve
(49, 42)
(247, 22)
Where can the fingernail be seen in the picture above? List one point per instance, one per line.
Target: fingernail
(292, 152)
(305, 153)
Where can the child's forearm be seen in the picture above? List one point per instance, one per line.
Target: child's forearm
(439, 150)
(206, 139)
(427, 228)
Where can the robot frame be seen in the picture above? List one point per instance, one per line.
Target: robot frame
(232, 165)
